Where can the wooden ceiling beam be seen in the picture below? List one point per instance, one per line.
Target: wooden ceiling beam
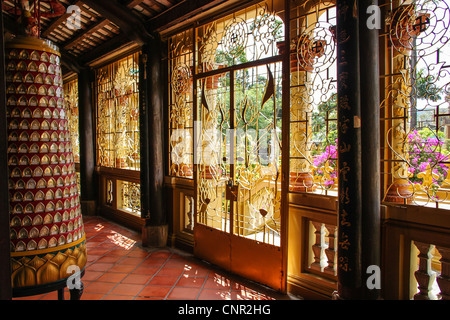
(122, 16)
(180, 12)
(70, 61)
(133, 3)
(158, 4)
(57, 21)
(118, 41)
(85, 33)
(152, 11)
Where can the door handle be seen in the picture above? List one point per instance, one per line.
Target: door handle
(231, 191)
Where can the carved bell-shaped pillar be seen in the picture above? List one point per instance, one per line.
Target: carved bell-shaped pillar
(46, 228)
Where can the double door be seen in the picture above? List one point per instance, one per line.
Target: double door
(239, 220)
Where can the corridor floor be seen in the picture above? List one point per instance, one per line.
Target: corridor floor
(119, 268)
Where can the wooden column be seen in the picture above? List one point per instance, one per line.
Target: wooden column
(5, 265)
(349, 151)
(155, 231)
(87, 147)
(370, 144)
(358, 137)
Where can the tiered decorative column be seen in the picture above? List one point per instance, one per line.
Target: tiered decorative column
(424, 276)
(47, 235)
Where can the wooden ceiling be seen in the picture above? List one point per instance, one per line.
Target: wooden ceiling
(106, 25)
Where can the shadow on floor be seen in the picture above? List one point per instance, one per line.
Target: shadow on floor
(119, 268)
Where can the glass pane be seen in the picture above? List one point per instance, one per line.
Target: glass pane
(117, 89)
(415, 104)
(313, 116)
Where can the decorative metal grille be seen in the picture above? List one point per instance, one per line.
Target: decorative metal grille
(181, 117)
(71, 100)
(313, 116)
(415, 103)
(238, 129)
(131, 197)
(117, 94)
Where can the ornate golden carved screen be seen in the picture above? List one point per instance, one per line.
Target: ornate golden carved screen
(181, 114)
(117, 94)
(415, 106)
(117, 130)
(313, 108)
(71, 100)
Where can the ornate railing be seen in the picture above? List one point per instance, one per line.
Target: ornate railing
(119, 195)
(415, 253)
(312, 245)
(433, 279)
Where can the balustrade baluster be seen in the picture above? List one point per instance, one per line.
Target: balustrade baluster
(443, 279)
(317, 246)
(424, 276)
(331, 250)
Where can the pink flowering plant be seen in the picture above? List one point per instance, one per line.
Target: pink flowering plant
(325, 165)
(427, 150)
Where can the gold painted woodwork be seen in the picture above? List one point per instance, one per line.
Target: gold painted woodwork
(36, 269)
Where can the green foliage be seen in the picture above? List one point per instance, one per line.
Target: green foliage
(426, 87)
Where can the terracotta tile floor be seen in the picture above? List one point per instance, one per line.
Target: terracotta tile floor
(119, 268)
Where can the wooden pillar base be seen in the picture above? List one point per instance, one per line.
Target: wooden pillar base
(88, 207)
(155, 236)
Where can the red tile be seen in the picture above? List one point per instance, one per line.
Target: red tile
(97, 251)
(192, 282)
(93, 257)
(181, 293)
(118, 297)
(154, 292)
(195, 272)
(126, 268)
(176, 263)
(177, 256)
(92, 244)
(119, 252)
(99, 287)
(217, 283)
(245, 295)
(92, 296)
(107, 245)
(99, 266)
(149, 270)
(91, 275)
(161, 254)
(131, 260)
(139, 253)
(109, 259)
(127, 289)
(170, 271)
(112, 277)
(137, 278)
(163, 281)
(101, 237)
(153, 261)
(213, 294)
